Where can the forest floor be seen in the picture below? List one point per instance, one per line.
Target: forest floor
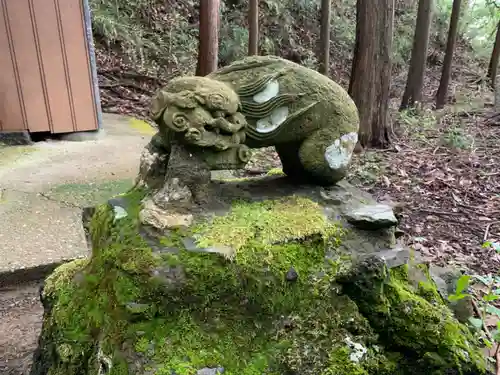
(445, 172)
(21, 321)
(444, 169)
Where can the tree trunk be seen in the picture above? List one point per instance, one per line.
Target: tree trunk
(415, 82)
(324, 49)
(495, 57)
(371, 70)
(448, 57)
(253, 28)
(497, 95)
(208, 45)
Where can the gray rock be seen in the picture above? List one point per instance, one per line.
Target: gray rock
(190, 244)
(171, 277)
(151, 214)
(441, 284)
(151, 237)
(15, 138)
(398, 233)
(445, 279)
(153, 164)
(374, 216)
(292, 275)
(394, 257)
(87, 213)
(119, 212)
(119, 207)
(343, 193)
(223, 174)
(172, 191)
(446, 276)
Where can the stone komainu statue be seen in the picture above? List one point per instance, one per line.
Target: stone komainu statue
(257, 102)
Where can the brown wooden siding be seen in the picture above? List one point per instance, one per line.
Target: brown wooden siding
(45, 76)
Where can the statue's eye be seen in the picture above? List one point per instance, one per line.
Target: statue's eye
(217, 100)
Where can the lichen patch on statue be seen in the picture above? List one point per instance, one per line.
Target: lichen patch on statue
(271, 122)
(338, 154)
(263, 101)
(270, 91)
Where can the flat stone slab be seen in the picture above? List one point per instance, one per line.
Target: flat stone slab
(89, 193)
(36, 231)
(371, 216)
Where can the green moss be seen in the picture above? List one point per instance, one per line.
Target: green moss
(232, 312)
(340, 364)
(65, 352)
(91, 308)
(120, 366)
(428, 291)
(426, 287)
(244, 341)
(267, 239)
(271, 221)
(275, 172)
(174, 239)
(186, 344)
(237, 179)
(414, 321)
(62, 276)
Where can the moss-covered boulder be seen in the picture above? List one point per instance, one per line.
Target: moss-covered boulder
(265, 286)
(266, 277)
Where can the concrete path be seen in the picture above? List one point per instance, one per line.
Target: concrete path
(44, 186)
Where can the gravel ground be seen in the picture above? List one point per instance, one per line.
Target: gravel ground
(20, 323)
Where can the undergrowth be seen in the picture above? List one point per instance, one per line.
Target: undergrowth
(160, 37)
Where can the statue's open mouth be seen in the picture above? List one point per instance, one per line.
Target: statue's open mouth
(233, 157)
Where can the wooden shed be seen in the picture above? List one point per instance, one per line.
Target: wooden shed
(48, 79)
